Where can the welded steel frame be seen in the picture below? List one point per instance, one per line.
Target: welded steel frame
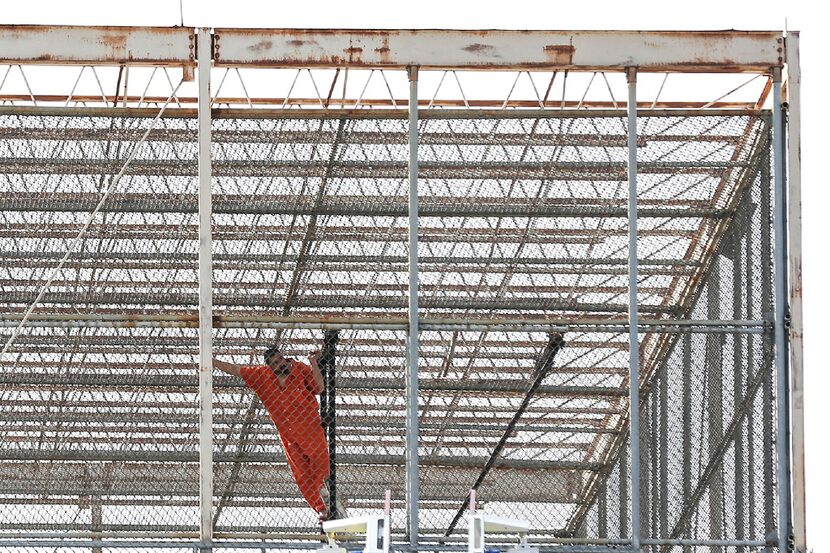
(631, 52)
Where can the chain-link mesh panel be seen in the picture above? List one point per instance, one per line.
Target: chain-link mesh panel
(98, 417)
(310, 216)
(521, 417)
(516, 212)
(310, 221)
(533, 211)
(522, 222)
(283, 438)
(526, 217)
(708, 417)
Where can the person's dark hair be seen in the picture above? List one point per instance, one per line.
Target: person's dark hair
(271, 351)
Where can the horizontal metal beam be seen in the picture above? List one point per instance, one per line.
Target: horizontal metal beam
(381, 326)
(123, 319)
(274, 540)
(155, 539)
(321, 261)
(50, 437)
(375, 169)
(564, 420)
(334, 301)
(268, 539)
(370, 416)
(468, 233)
(367, 344)
(708, 543)
(125, 364)
(63, 44)
(254, 262)
(355, 287)
(568, 413)
(265, 233)
(177, 544)
(341, 205)
(170, 262)
(466, 137)
(120, 346)
(369, 426)
(530, 111)
(506, 386)
(675, 51)
(268, 104)
(344, 459)
(726, 51)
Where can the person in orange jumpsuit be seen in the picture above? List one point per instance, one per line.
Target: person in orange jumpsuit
(288, 390)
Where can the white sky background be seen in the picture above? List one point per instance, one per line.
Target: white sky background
(524, 14)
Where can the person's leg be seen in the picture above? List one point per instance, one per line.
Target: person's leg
(304, 475)
(316, 448)
(312, 442)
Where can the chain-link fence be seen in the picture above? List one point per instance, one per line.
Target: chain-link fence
(523, 367)
(99, 425)
(708, 420)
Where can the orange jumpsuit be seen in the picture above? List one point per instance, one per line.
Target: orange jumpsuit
(295, 412)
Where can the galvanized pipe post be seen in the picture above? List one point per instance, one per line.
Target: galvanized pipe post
(796, 311)
(713, 398)
(96, 515)
(782, 449)
(686, 433)
(768, 394)
(633, 334)
(739, 380)
(205, 298)
(412, 472)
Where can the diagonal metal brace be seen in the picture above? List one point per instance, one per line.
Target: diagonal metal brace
(543, 365)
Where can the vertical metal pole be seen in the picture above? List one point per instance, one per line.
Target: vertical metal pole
(738, 385)
(633, 334)
(663, 455)
(748, 255)
(686, 434)
(796, 314)
(328, 410)
(602, 513)
(647, 473)
(713, 371)
(97, 520)
(623, 493)
(780, 263)
(205, 298)
(767, 447)
(412, 472)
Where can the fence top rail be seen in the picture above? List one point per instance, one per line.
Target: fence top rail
(239, 113)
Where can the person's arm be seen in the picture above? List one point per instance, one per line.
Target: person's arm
(315, 370)
(228, 368)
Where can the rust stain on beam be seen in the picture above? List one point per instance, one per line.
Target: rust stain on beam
(560, 54)
(678, 51)
(101, 45)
